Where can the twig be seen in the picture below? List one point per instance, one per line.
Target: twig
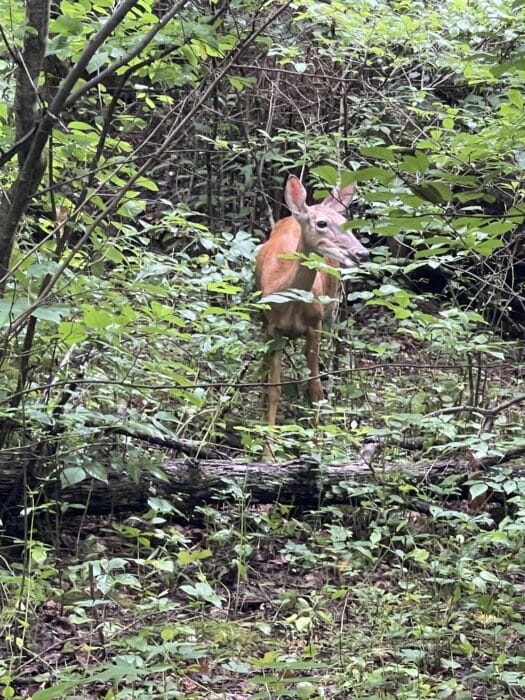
(191, 448)
(137, 50)
(477, 409)
(255, 385)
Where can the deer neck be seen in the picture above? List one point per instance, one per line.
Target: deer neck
(299, 276)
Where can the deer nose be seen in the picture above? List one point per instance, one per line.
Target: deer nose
(362, 255)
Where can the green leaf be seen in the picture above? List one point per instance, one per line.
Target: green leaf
(375, 536)
(51, 312)
(98, 61)
(160, 504)
(56, 691)
(97, 471)
(186, 557)
(379, 152)
(38, 553)
(95, 318)
(516, 96)
(132, 208)
(71, 332)
(157, 472)
(478, 490)
(417, 163)
(413, 655)
(429, 193)
(488, 247)
(223, 287)
(10, 309)
(67, 26)
(189, 55)
(303, 623)
(373, 173)
(203, 591)
(288, 295)
(326, 173)
(80, 126)
(72, 475)
(420, 555)
(147, 184)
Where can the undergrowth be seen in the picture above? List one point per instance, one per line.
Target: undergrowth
(381, 600)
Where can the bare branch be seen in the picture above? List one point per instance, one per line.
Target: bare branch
(477, 409)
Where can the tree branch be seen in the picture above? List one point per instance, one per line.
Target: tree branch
(153, 158)
(137, 50)
(30, 65)
(477, 409)
(32, 169)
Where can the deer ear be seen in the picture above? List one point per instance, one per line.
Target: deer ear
(295, 196)
(340, 198)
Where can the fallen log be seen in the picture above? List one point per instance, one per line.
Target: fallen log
(300, 482)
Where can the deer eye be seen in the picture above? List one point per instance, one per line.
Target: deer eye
(322, 224)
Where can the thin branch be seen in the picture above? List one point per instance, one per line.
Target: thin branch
(192, 448)
(136, 51)
(96, 41)
(111, 206)
(476, 409)
(245, 385)
(30, 173)
(14, 55)
(16, 147)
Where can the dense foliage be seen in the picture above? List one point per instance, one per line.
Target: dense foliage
(144, 147)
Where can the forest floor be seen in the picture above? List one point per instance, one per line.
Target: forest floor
(417, 592)
(381, 601)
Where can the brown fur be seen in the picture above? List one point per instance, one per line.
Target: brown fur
(311, 229)
(294, 317)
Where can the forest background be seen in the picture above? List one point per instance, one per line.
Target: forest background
(144, 148)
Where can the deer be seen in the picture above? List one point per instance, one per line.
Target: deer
(317, 229)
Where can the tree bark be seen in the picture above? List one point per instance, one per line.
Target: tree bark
(32, 158)
(26, 111)
(31, 60)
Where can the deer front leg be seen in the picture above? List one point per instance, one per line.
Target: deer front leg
(274, 392)
(313, 341)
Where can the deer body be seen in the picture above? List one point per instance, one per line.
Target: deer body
(310, 229)
(275, 274)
